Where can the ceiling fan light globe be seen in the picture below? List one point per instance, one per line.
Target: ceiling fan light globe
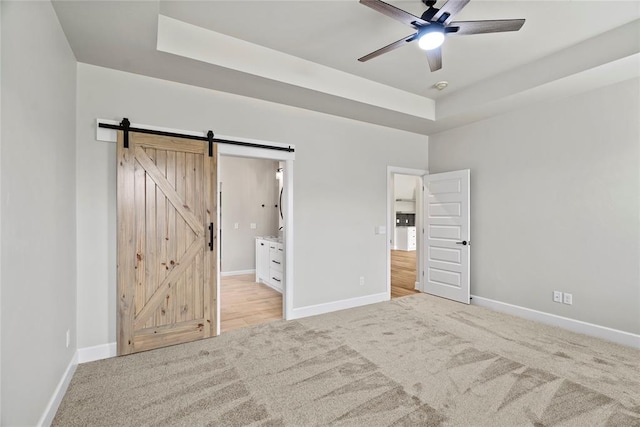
(431, 40)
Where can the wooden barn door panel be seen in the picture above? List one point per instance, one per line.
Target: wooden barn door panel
(166, 256)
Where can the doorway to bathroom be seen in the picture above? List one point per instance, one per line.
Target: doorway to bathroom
(250, 222)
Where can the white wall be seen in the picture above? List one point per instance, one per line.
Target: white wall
(38, 250)
(247, 185)
(405, 189)
(340, 184)
(555, 204)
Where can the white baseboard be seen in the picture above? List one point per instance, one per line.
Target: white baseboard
(97, 352)
(312, 310)
(52, 407)
(603, 332)
(237, 273)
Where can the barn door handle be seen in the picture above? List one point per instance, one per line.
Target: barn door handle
(211, 236)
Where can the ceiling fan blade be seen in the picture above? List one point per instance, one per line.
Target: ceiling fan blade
(434, 56)
(481, 27)
(452, 7)
(388, 48)
(394, 12)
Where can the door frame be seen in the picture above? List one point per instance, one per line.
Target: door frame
(287, 202)
(391, 171)
(111, 135)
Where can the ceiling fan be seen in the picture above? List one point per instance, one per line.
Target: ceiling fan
(434, 24)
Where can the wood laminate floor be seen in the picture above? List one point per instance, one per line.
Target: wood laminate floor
(398, 292)
(244, 302)
(403, 273)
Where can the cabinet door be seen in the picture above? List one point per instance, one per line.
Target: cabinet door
(262, 260)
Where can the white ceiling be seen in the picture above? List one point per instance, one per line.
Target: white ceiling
(334, 33)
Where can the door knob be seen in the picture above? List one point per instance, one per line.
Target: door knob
(463, 243)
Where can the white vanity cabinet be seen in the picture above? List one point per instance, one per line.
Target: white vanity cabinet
(406, 238)
(269, 263)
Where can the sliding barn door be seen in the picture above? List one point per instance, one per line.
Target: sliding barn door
(166, 242)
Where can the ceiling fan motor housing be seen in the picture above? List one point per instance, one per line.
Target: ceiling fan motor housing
(432, 28)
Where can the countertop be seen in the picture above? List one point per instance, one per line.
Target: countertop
(270, 238)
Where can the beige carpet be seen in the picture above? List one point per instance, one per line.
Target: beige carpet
(414, 361)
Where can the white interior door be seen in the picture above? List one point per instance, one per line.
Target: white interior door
(447, 235)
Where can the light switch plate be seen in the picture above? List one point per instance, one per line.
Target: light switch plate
(381, 229)
(252, 225)
(557, 296)
(236, 225)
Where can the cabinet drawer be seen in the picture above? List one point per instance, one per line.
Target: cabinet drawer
(275, 278)
(276, 255)
(274, 264)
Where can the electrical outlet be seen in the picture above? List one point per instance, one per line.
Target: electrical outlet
(68, 338)
(568, 298)
(557, 296)
(361, 281)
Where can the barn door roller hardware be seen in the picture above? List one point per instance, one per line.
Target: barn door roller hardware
(125, 123)
(125, 126)
(210, 137)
